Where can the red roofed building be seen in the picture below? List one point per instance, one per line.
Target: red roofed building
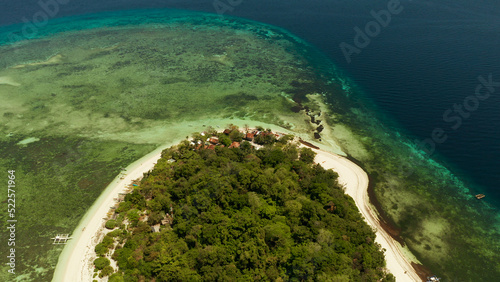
(235, 145)
(266, 133)
(249, 136)
(213, 140)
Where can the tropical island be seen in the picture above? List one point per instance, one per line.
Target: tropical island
(93, 101)
(239, 205)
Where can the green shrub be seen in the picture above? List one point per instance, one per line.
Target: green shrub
(236, 136)
(108, 241)
(307, 155)
(115, 233)
(116, 277)
(101, 263)
(136, 199)
(123, 207)
(225, 140)
(101, 249)
(107, 270)
(110, 224)
(133, 216)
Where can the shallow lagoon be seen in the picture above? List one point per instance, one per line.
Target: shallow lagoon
(98, 99)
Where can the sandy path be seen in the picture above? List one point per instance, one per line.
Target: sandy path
(76, 260)
(355, 180)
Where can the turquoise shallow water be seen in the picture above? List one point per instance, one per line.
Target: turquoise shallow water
(452, 233)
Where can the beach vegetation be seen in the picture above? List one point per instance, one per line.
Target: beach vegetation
(123, 206)
(236, 135)
(307, 155)
(225, 140)
(244, 214)
(110, 224)
(101, 250)
(265, 138)
(101, 263)
(136, 199)
(116, 277)
(133, 216)
(115, 233)
(107, 270)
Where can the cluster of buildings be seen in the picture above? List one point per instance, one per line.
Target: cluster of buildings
(250, 135)
(211, 143)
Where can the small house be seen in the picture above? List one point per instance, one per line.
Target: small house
(235, 145)
(213, 140)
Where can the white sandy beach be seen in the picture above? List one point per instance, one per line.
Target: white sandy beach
(355, 180)
(76, 261)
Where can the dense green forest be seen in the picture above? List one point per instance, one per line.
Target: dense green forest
(232, 212)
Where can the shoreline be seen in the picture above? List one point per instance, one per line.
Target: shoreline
(78, 255)
(356, 183)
